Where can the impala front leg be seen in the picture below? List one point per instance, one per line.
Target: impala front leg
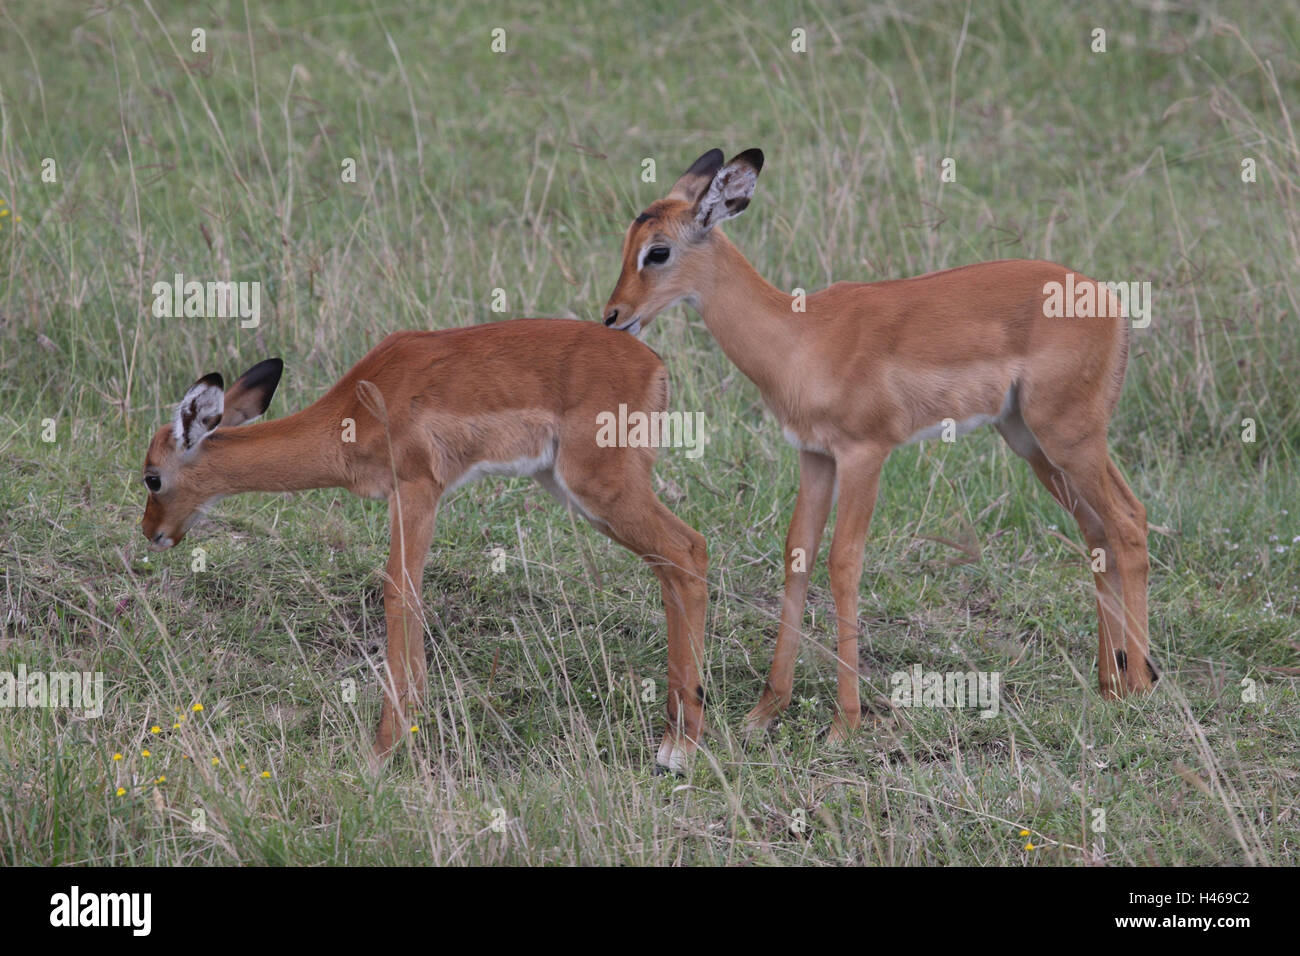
(859, 479)
(811, 508)
(412, 509)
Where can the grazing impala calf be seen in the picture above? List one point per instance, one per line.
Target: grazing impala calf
(869, 366)
(431, 411)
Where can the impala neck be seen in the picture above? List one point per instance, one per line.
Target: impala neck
(293, 453)
(751, 320)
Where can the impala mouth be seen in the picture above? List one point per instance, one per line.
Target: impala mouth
(160, 542)
(632, 328)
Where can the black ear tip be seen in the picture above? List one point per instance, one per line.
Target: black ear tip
(755, 157)
(214, 379)
(708, 164)
(264, 373)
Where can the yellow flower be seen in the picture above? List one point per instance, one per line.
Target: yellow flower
(242, 767)
(145, 753)
(1030, 846)
(415, 729)
(197, 708)
(176, 726)
(163, 778)
(216, 762)
(266, 775)
(155, 729)
(121, 791)
(3, 213)
(117, 756)
(1024, 833)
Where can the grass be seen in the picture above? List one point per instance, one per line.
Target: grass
(520, 171)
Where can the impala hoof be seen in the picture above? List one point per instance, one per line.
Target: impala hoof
(756, 725)
(673, 757)
(841, 732)
(758, 720)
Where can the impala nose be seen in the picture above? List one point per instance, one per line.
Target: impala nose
(612, 317)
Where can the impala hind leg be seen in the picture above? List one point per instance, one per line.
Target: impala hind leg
(628, 512)
(412, 510)
(811, 509)
(679, 556)
(1107, 583)
(858, 478)
(1124, 663)
(1141, 673)
(1084, 479)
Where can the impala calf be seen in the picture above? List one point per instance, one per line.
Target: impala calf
(432, 411)
(870, 366)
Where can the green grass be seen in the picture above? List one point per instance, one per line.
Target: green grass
(521, 171)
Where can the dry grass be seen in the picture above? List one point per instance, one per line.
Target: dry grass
(479, 171)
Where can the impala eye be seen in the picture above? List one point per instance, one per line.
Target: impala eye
(657, 255)
(153, 482)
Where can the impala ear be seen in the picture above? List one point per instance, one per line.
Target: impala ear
(199, 411)
(696, 179)
(249, 397)
(729, 191)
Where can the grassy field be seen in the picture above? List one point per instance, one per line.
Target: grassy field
(520, 171)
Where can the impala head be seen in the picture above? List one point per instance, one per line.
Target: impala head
(666, 255)
(173, 468)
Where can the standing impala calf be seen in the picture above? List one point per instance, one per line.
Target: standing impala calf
(431, 411)
(870, 366)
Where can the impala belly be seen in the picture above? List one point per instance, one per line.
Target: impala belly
(965, 425)
(802, 444)
(540, 467)
(515, 443)
(526, 467)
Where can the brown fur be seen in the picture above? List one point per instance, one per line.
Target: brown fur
(868, 365)
(436, 404)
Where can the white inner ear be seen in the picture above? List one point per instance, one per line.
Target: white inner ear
(731, 183)
(202, 403)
